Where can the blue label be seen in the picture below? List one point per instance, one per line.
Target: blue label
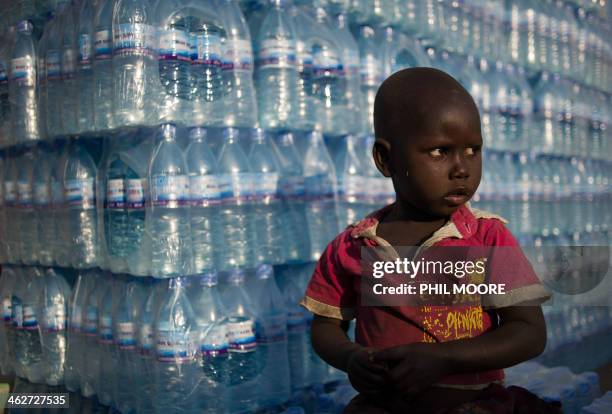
(205, 190)
(236, 188)
(30, 321)
(319, 187)
(135, 193)
(84, 50)
(276, 53)
(115, 194)
(90, 325)
(241, 336)
(205, 49)
(174, 45)
(291, 187)
(103, 45)
(126, 336)
(175, 346)
(214, 343)
(105, 330)
(238, 55)
(17, 313)
(3, 75)
(80, 193)
(134, 39)
(265, 186)
(169, 190)
(23, 72)
(6, 309)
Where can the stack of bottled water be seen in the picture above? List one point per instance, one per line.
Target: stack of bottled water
(170, 170)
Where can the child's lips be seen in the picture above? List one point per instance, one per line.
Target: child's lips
(457, 197)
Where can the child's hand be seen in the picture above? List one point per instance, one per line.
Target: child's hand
(366, 375)
(413, 367)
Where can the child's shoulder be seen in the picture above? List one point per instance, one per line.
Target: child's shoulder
(491, 229)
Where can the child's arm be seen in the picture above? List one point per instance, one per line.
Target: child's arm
(521, 336)
(331, 343)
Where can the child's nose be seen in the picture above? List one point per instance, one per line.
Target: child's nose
(459, 169)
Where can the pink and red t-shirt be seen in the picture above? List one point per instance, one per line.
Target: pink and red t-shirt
(334, 289)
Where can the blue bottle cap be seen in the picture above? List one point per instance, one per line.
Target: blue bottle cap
(258, 134)
(285, 138)
(235, 276)
(168, 131)
(209, 278)
(230, 134)
(264, 271)
(24, 26)
(197, 133)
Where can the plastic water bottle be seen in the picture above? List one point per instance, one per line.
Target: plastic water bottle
(204, 198)
(276, 74)
(244, 359)
(298, 341)
(266, 207)
(320, 187)
(351, 191)
(89, 374)
(5, 107)
(147, 362)
(22, 86)
(271, 334)
(28, 228)
(53, 77)
(13, 229)
(241, 102)
(102, 66)
(371, 73)
(175, 104)
(108, 357)
(80, 229)
(168, 210)
(7, 344)
(177, 369)
(56, 222)
(41, 200)
(292, 193)
(69, 96)
(29, 338)
(16, 331)
(75, 341)
(54, 316)
(212, 342)
(128, 300)
(84, 76)
(235, 224)
(135, 69)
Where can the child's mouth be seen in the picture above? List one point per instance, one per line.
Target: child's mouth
(457, 197)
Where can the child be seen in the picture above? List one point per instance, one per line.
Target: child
(428, 141)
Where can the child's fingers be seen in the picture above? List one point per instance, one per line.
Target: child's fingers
(367, 376)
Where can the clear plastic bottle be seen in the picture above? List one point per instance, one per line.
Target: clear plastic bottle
(69, 96)
(371, 74)
(176, 332)
(168, 210)
(108, 357)
(22, 86)
(244, 360)
(321, 189)
(235, 224)
(80, 228)
(7, 344)
(41, 198)
(135, 76)
(84, 76)
(213, 347)
(266, 206)
(28, 229)
(89, 374)
(276, 74)
(53, 61)
(271, 334)
(5, 107)
(29, 340)
(56, 221)
(13, 225)
(351, 190)
(204, 198)
(15, 333)
(292, 194)
(241, 102)
(54, 316)
(102, 66)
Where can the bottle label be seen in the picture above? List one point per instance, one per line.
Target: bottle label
(115, 194)
(236, 188)
(23, 71)
(146, 339)
(10, 193)
(76, 319)
(17, 316)
(303, 56)
(176, 346)
(204, 190)
(291, 187)
(370, 71)
(3, 75)
(351, 187)
(84, 50)
(296, 320)
(42, 196)
(238, 55)
(102, 45)
(135, 193)
(24, 194)
(276, 53)
(30, 322)
(133, 39)
(265, 186)
(206, 49)
(169, 190)
(90, 327)
(326, 61)
(54, 318)
(105, 330)
(352, 61)
(174, 45)
(69, 60)
(271, 329)
(215, 342)
(6, 310)
(241, 336)
(319, 187)
(126, 336)
(80, 193)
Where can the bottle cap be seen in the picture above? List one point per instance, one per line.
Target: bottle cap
(258, 134)
(24, 26)
(264, 271)
(168, 131)
(209, 278)
(197, 133)
(235, 276)
(230, 134)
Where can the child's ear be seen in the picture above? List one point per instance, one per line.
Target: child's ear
(381, 153)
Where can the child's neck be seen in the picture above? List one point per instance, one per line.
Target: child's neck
(407, 226)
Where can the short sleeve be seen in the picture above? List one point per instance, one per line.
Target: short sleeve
(331, 291)
(508, 265)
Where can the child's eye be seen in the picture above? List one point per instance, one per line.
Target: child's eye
(471, 150)
(437, 152)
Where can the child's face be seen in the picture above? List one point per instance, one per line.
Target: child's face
(439, 168)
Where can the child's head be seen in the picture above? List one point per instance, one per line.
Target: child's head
(428, 140)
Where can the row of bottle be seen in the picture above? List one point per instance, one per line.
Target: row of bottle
(184, 204)
(145, 345)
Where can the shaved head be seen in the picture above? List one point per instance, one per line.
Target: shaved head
(412, 101)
